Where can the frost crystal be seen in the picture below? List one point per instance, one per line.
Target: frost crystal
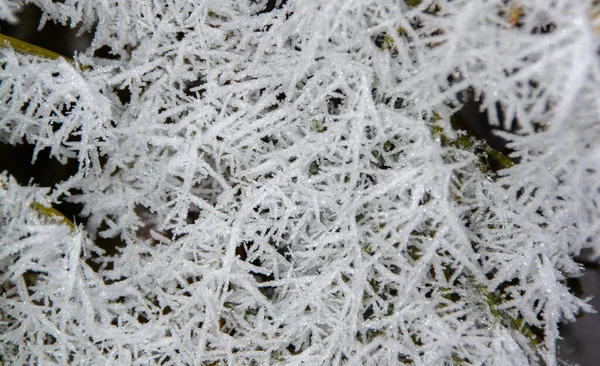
(287, 187)
(7, 10)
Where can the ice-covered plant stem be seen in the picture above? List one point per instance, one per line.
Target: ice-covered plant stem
(288, 186)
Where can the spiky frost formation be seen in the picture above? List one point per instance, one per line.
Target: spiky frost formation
(288, 189)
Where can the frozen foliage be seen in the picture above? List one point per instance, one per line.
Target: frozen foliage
(287, 188)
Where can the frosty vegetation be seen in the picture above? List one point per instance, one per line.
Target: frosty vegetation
(288, 187)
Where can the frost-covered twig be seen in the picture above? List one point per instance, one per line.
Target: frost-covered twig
(287, 186)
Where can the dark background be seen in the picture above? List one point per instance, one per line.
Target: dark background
(580, 338)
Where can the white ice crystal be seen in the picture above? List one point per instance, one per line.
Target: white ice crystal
(287, 187)
(8, 9)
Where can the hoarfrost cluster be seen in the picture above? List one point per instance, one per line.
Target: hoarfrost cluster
(288, 187)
